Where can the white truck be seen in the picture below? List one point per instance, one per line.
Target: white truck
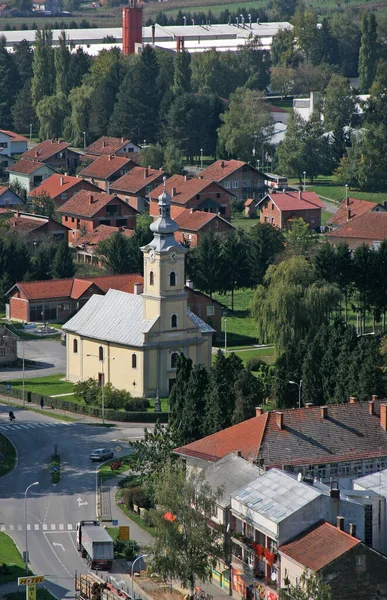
(95, 544)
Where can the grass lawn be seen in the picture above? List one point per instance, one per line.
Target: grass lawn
(265, 354)
(164, 404)
(106, 473)
(325, 215)
(240, 324)
(51, 385)
(10, 556)
(337, 193)
(135, 517)
(244, 223)
(7, 451)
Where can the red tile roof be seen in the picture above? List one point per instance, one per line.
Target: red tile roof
(348, 432)
(27, 167)
(76, 287)
(106, 145)
(45, 150)
(3, 189)
(319, 546)
(15, 137)
(249, 202)
(186, 189)
(276, 109)
(369, 226)
(357, 208)
(100, 233)
(87, 204)
(194, 221)
(25, 223)
(57, 184)
(106, 166)
(136, 179)
(246, 437)
(221, 169)
(294, 201)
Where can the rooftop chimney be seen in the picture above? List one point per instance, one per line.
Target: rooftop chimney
(238, 453)
(334, 492)
(308, 404)
(138, 289)
(258, 411)
(91, 198)
(347, 201)
(300, 194)
(340, 523)
(374, 397)
(383, 416)
(185, 178)
(103, 143)
(36, 153)
(371, 407)
(122, 140)
(222, 164)
(110, 157)
(173, 192)
(348, 214)
(323, 412)
(189, 283)
(352, 400)
(279, 419)
(191, 211)
(145, 172)
(153, 34)
(352, 529)
(61, 180)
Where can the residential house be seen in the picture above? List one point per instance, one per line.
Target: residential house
(59, 299)
(54, 153)
(278, 114)
(106, 169)
(268, 513)
(373, 489)
(369, 229)
(136, 185)
(5, 10)
(281, 208)
(141, 335)
(193, 223)
(37, 227)
(29, 174)
(61, 188)
(86, 245)
(12, 143)
(206, 308)
(112, 145)
(351, 569)
(8, 346)
(350, 209)
(313, 441)
(9, 198)
(238, 177)
(305, 107)
(5, 161)
(196, 194)
(46, 6)
(87, 210)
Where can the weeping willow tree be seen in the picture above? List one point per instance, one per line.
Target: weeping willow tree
(292, 302)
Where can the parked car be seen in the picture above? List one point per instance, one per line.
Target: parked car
(101, 454)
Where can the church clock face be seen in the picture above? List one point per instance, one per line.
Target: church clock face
(173, 256)
(152, 256)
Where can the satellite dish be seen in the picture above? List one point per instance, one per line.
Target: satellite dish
(299, 477)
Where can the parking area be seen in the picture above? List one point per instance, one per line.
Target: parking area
(48, 356)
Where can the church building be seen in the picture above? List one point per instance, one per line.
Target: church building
(133, 340)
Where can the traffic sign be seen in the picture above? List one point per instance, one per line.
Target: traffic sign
(30, 580)
(118, 448)
(124, 533)
(115, 522)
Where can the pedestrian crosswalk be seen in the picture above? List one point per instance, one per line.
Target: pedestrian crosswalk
(39, 527)
(30, 425)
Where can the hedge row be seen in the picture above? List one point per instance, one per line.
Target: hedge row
(84, 409)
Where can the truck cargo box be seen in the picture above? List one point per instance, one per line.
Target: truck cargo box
(97, 542)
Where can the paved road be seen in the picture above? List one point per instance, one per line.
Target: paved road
(53, 511)
(49, 359)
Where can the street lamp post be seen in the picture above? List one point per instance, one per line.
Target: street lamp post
(304, 181)
(201, 158)
(84, 140)
(30, 131)
(22, 345)
(102, 360)
(133, 563)
(25, 515)
(299, 390)
(225, 335)
(258, 162)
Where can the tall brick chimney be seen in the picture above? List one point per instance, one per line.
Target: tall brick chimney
(279, 419)
(258, 411)
(383, 416)
(340, 523)
(131, 27)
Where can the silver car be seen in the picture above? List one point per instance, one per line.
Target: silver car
(101, 454)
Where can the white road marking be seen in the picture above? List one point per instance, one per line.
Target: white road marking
(69, 526)
(57, 544)
(36, 527)
(53, 526)
(61, 527)
(28, 527)
(44, 526)
(80, 503)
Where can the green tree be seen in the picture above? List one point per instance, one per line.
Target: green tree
(292, 302)
(255, 64)
(153, 452)
(178, 391)
(300, 239)
(310, 588)
(51, 111)
(266, 243)
(87, 391)
(173, 160)
(246, 125)
(62, 59)
(282, 80)
(181, 73)
(24, 5)
(249, 394)
(114, 253)
(234, 257)
(205, 264)
(63, 264)
(284, 9)
(23, 57)
(80, 106)
(190, 422)
(152, 156)
(347, 32)
(220, 396)
(325, 48)
(104, 100)
(43, 80)
(305, 31)
(283, 49)
(311, 367)
(368, 51)
(41, 262)
(339, 104)
(23, 112)
(185, 546)
(8, 85)
(129, 112)
(80, 63)
(43, 205)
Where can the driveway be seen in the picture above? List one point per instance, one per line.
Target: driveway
(49, 358)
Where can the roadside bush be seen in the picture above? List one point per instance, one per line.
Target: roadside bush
(137, 404)
(254, 364)
(87, 391)
(141, 498)
(128, 495)
(114, 398)
(131, 481)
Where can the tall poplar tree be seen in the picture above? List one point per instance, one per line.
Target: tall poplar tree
(368, 52)
(62, 60)
(181, 73)
(43, 80)
(8, 79)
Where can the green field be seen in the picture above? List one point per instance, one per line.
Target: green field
(51, 385)
(265, 354)
(244, 223)
(337, 193)
(240, 325)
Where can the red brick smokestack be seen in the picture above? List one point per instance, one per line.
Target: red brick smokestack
(131, 27)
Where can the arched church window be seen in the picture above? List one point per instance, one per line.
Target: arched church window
(134, 361)
(100, 353)
(75, 346)
(151, 278)
(172, 278)
(174, 357)
(174, 321)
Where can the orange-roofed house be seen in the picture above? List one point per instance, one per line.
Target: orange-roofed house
(135, 186)
(29, 174)
(12, 143)
(58, 299)
(61, 188)
(193, 223)
(85, 211)
(87, 244)
(37, 227)
(238, 177)
(281, 208)
(111, 145)
(196, 194)
(351, 208)
(55, 153)
(369, 228)
(106, 169)
(351, 569)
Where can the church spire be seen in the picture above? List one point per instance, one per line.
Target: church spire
(164, 227)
